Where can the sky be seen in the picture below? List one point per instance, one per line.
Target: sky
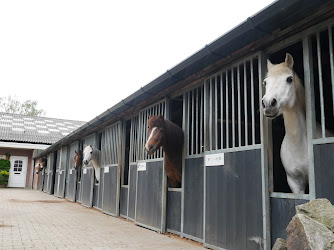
(80, 58)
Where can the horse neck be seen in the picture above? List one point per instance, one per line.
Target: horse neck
(172, 143)
(96, 157)
(295, 117)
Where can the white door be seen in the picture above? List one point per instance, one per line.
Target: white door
(18, 171)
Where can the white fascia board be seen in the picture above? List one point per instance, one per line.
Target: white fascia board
(23, 145)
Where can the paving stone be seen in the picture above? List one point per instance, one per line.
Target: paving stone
(31, 219)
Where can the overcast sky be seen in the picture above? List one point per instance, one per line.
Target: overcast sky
(79, 58)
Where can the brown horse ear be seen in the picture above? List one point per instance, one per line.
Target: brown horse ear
(161, 117)
(289, 60)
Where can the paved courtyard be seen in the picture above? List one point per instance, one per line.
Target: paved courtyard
(31, 219)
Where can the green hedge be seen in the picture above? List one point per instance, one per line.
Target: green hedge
(4, 165)
(4, 175)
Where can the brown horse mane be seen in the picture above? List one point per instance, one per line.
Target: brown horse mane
(173, 135)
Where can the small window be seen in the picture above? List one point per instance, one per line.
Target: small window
(18, 166)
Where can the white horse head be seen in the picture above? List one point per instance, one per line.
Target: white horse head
(87, 154)
(282, 88)
(91, 153)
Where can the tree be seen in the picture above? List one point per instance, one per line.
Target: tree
(13, 105)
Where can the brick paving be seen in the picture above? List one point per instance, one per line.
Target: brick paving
(30, 219)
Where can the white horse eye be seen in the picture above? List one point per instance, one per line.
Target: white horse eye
(289, 79)
(91, 152)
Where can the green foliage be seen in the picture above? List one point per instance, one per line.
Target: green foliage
(13, 105)
(4, 176)
(4, 165)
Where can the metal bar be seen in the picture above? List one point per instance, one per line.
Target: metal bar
(245, 104)
(310, 111)
(227, 118)
(202, 121)
(239, 106)
(331, 59)
(233, 111)
(216, 115)
(188, 124)
(206, 116)
(185, 121)
(264, 158)
(193, 120)
(290, 196)
(197, 119)
(210, 117)
(321, 91)
(221, 111)
(252, 101)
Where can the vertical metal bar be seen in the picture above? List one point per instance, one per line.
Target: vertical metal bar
(185, 120)
(206, 116)
(245, 104)
(210, 110)
(321, 91)
(239, 107)
(252, 101)
(221, 111)
(233, 111)
(193, 121)
(216, 115)
(188, 124)
(310, 111)
(197, 119)
(226, 106)
(331, 59)
(264, 159)
(202, 120)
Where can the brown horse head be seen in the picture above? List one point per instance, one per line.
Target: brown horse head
(155, 133)
(43, 163)
(38, 167)
(77, 159)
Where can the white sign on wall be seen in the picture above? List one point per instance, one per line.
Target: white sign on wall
(3, 157)
(70, 171)
(106, 169)
(85, 171)
(141, 166)
(214, 160)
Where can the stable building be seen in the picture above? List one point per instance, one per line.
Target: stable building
(23, 137)
(242, 201)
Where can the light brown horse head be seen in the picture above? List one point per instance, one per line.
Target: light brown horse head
(77, 159)
(283, 88)
(155, 133)
(38, 168)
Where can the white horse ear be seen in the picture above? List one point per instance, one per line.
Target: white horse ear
(289, 60)
(269, 64)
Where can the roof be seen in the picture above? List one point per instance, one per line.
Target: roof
(275, 17)
(34, 129)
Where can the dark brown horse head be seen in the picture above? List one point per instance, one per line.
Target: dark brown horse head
(43, 163)
(77, 159)
(155, 133)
